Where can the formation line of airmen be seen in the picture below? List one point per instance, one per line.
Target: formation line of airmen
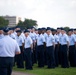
(43, 46)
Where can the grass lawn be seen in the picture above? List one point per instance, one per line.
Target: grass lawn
(45, 71)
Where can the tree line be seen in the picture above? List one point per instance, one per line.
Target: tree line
(27, 23)
(23, 24)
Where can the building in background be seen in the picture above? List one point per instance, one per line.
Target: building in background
(13, 20)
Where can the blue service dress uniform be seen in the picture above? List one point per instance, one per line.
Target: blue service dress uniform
(50, 51)
(28, 53)
(19, 58)
(40, 50)
(72, 41)
(56, 50)
(34, 52)
(8, 48)
(63, 51)
(75, 49)
(59, 53)
(45, 55)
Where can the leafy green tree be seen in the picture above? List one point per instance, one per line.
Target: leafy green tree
(66, 29)
(20, 24)
(3, 22)
(27, 23)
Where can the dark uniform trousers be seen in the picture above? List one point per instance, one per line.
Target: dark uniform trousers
(75, 56)
(6, 65)
(45, 56)
(64, 56)
(50, 57)
(34, 55)
(28, 58)
(56, 55)
(72, 55)
(40, 55)
(20, 59)
(59, 54)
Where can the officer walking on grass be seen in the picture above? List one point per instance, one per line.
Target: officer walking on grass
(8, 49)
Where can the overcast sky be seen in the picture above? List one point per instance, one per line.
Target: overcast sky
(53, 13)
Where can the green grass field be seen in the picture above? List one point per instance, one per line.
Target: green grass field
(45, 71)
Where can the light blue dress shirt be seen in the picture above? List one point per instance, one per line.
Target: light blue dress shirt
(40, 40)
(1, 36)
(20, 40)
(8, 47)
(28, 42)
(56, 39)
(50, 40)
(72, 40)
(64, 39)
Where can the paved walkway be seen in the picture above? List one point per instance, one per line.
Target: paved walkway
(19, 73)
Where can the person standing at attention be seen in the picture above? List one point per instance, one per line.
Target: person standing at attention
(40, 48)
(28, 47)
(50, 45)
(64, 40)
(20, 42)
